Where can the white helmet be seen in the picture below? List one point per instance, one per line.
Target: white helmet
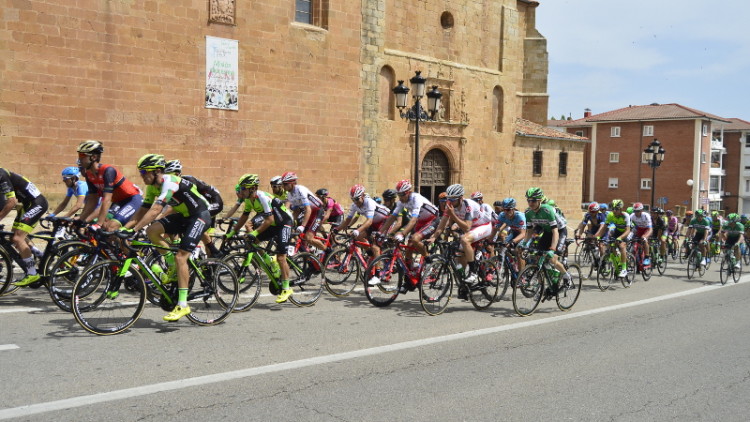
(455, 191)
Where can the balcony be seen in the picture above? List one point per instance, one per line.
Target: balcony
(717, 146)
(718, 171)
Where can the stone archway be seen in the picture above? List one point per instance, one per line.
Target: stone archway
(434, 174)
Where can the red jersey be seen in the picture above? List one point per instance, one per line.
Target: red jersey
(109, 179)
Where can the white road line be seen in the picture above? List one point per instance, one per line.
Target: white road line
(8, 347)
(32, 409)
(18, 309)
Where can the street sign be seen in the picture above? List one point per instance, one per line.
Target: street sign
(704, 201)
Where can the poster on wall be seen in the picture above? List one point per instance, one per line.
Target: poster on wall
(222, 73)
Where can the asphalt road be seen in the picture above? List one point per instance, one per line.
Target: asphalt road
(667, 349)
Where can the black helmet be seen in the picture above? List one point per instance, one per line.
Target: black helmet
(321, 192)
(90, 147)
(389, 194)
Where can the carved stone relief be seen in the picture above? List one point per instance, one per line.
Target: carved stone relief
(221, 11)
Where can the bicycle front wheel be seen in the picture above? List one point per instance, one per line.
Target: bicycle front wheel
(64, 272)
(383, 279)
(483, 293)
(725, 270)
(213, 292)
(527, 293)
(106, 303)
(436, 286)
(306, 279)
(605, 274)
(6, 272)
(341, 272)
(628, 280)
(249, 278)
(568, 291)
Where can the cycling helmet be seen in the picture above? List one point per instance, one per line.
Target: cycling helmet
(551, 203)
(276, 181)
(534, 193)
(733, 218)
(594, 207)
(173, 166)
(629, 210)
(443, 197)
(714, 213)
(508, 203)
(249, 180)
(455, 191)
(90, 147)
(321, 192)
(477, 195)
(389, 194)
(403, 186)
(378, 199)
(71, 172)
(617, 204)
(743, 217)
(603, 207)
(151, 162)
(659, 210)
(638, 206)
(669, 213)
(289, 176)
(700, 213)
(357, 191)
(497, 204)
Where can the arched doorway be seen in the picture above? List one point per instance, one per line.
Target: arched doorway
(435, 174)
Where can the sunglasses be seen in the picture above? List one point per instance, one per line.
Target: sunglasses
(83, 155)
(533, 200)
(143, 172)
(68, 178)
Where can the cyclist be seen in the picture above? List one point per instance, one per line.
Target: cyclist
(673, 226)
(331, 209)
(119, 197)
(618, 226)
(543, 220)
(15, 189)
(212, 195)
(75, 187)
(717, 221)
(277, 189)
(423, 219)
(508, 217)
(473, 222)
(374, 214)
(562, 226)
(699, 229)
(660, 224)
(733, 235)
(389, 200)
(686, 220)
(593, 220)
(745, 221)
(643, 226)
(306, 208)
(277, 224)
(189, 219)
(604, 208)
(479, 199)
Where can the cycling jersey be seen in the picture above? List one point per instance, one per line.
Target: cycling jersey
(542, 220)
(700, 226)
(515, 223)
(733, 231)
(673, 224)
(81, 188)
(716, 224)
(487, 209)
(370, 210)
(15, 185)
(108, 179)
(335, 207)
(594, 221)
(642, 221)
(418, 207)
(265, 204)
(470, 211)
(179, 193)
(619, 224)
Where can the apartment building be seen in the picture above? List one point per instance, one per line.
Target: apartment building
(734, 186)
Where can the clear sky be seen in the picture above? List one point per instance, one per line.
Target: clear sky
(608, 54)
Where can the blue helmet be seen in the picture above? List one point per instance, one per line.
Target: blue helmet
(71, 171)
(603, 207)
(509, 203)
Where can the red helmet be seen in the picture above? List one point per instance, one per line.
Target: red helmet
(403, 186)
(594, 207)
(637, 206)
(477, 195)
(289, 176)
(357, 191)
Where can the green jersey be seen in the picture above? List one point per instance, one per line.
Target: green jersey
(618, 223)
(543, 220)
(733, 231)
(266, 204)
(701, 225)
(181, 194)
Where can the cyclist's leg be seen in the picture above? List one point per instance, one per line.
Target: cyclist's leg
(23, 225)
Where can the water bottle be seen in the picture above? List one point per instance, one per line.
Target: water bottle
(554, 275)
(275, 269)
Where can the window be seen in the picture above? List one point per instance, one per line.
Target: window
(497, 108)
(387, 98)
(705, 130)
(747, 141)
(537, 164)
(613, 182)
(579, 133)
(747, 186)
(614, 157)
(646, 184)
(563, 170)
(714, 184)
(312, 12)
(703, 185)
(703, 157)
(648, 130)
(615, 132)
(644, 158)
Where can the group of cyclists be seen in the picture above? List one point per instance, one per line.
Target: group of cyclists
(174, 205)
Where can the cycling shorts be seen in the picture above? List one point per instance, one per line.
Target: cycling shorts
(427, 227)
(640, 231)
(481, 232)
(124, 210)
(30, 214)
(279, 234)
(189, 228)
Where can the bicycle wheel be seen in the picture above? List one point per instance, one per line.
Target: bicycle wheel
(605, 274)
(6, 272)
(390, 276)
(737, 273)
(569, 290)
(105, 303)
(482, 294)
(64, 272)
(746, 254)
(505, 279)
(527, 292)
(213, 291)
(685, 251)
(250, 278)
(661, 264)
(341, 272)
(725, 269)
(578, 253)
(306, 279)
(646, 270)
(436, 286)
(631, 266)
(702, 268)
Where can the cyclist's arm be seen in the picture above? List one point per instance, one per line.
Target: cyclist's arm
(76, 207)
(409, 226)
(104, 208)
(62, 206)
(10, 203)
(137, 217)
(520, 237)
(625, 233)
(555, 239)
(150, 216)
(89, 206)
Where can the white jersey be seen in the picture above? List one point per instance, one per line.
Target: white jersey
(470, 210)
(370, 209)
(300, 197)
(418, 207)
(643, 222)
(487, 209)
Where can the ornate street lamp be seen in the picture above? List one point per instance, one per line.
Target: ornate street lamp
(416, 112)
(654, 157)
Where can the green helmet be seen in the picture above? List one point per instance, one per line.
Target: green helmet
(617, 204)
(534, 193)
(551, 203)
(629, 210)
(700, 212)
(733, 218)
(151, 162)
(249, 180)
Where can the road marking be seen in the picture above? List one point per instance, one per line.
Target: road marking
(8, 347)
(80, 401)
(18, 309)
